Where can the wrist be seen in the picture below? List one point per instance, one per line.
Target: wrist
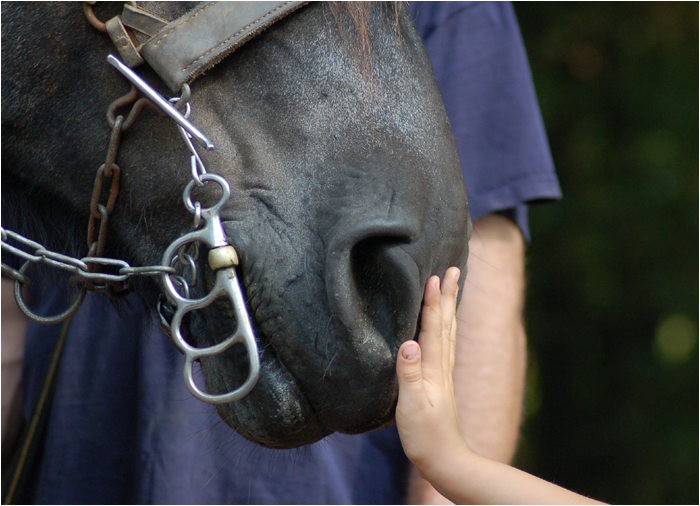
(447, 471)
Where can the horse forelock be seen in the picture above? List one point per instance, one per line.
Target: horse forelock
(353, 20)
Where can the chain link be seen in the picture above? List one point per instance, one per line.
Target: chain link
(98, 211)
(79, 267)
(83, 271)
(93, 19)
(135, 109)
(87, 271)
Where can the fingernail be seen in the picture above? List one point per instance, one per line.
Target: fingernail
(457, 275)
(410, 351)
(436, 282)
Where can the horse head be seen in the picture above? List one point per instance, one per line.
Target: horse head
(346, 194)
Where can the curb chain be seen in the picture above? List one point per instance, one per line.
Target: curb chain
(86, 271)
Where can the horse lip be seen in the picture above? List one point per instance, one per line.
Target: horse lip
(240, 244)
(250, 417)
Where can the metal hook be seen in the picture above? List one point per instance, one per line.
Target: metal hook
(194, 163)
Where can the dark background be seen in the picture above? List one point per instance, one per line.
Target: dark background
(612, 301)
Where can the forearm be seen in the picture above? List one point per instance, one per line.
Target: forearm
(467, 478)
(491, 350)
(489, 373)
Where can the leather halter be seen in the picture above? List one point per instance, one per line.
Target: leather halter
(183, 49)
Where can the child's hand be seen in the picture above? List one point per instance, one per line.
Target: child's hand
(426, 415)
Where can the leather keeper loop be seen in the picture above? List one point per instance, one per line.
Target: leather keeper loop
(124, 42)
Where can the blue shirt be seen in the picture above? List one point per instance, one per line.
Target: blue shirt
(482, 71)
(124, 429)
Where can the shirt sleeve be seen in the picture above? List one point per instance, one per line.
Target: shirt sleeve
(482, 72)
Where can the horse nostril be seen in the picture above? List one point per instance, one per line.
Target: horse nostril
(382, 279)
(374, 287)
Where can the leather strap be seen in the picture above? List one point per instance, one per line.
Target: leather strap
(142, 20)
(197, 41)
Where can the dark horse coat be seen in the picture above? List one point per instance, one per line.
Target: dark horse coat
(345, 183)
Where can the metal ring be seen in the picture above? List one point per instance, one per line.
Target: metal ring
(195, 246)
(181, 254)
(197, 214)
(226, 192)
(182, 282)
(92, 18)
(47, 320)
(186, 94)
(187, 259)
(188, 108)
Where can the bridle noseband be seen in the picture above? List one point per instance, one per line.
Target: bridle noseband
(178, 51)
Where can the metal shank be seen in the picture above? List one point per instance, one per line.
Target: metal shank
(226, 284)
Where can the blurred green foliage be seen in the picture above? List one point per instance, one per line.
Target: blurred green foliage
(612, 316)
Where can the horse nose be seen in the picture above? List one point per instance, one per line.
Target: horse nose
(374, 287)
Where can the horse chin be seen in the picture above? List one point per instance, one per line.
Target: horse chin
(277, 412)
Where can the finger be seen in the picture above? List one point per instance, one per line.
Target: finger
(453, 345)
(448, 306)
(408, 370)
(430, 336)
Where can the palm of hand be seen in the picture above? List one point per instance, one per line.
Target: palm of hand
(426, 414)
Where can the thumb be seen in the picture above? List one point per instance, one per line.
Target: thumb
(408, 370)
